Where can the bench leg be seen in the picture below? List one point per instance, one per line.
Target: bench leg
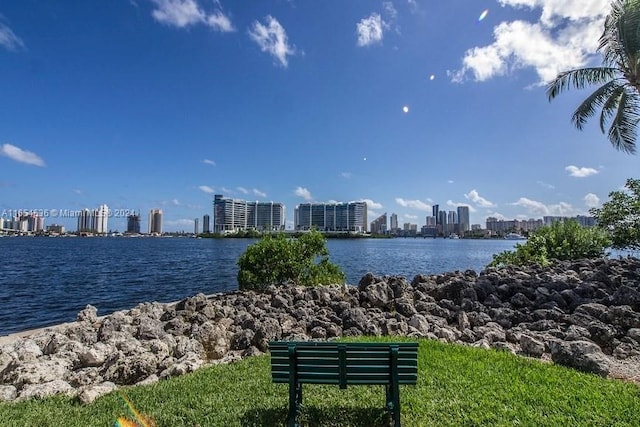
(295, 404)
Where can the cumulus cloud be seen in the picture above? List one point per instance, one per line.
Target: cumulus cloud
(259, 193)
(535, 207)
(414, 204)
(272, 38)
(209, 162)
(478, 200)
(207, 189)
(591, 200)
(565, 37)
(371, 204)
(304, 193)
(453, 204)
(580, 172)
(20, 155)
(185, 13)
(242, 190)
(546, 185)
(370, 30)
(8, 39)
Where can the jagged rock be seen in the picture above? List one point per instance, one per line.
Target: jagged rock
(89, 314)
(582, 355)
(20, 373)
(46, 389)
(131, 369)
(420, 323)
(90, 393)
(8, 393)
(531, 346)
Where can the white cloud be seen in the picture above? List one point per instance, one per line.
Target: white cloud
(20, 155)
(77, 191)
(544, 184)
(478, 200)
(534, 207)
(272, 38)
(371, 204)
(242, 190)
(259, 193)
(496, 215)
(409, 216)
(390, 9)
(580, 172)
(370, 30)
(8, 39)
(209, 162)
(591, 200)
(453, 204)
(207, 189)
(346, 175)
(414, 204)
(565, 37)
(175, 202)
(372, 214)
(304, 193)
(184, 13)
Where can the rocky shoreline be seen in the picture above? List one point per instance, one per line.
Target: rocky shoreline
(583, 314)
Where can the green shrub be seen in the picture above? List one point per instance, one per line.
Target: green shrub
(562, 241)
(620, 216)
(278, 260)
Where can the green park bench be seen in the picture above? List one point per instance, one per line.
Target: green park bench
(342, 364)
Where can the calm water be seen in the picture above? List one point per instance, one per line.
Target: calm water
(44, 281)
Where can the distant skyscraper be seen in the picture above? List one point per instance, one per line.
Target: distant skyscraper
(231, 215)
(155, 221)
(379, 225)
(435, 211)
(442, 222)
(350, 216)
(393, 223)
(85, 221)
(133, 224)
(463, 219)
(101, 219)
(206, 227)
(195, 226)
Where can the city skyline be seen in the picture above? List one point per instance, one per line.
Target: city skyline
(149, 104)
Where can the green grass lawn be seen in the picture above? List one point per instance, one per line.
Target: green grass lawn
(457, 386)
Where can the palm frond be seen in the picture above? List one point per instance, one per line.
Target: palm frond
(610, 106)
(596, 100)
(579, 79)
(624, 127)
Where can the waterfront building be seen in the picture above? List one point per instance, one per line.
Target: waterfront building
(463, 219)
(230, 215)
(379, 225)
(393, 224)
(1, 223)
(56, 229)
(430, 221)
(101, 219)
(85, 221)
(206, 227)
(429, 230)
(452, 223)
(351, 217)
(133, 224)
(155, 221)
(442, 222)
(410, 229)
(435, 211)
(195, 226)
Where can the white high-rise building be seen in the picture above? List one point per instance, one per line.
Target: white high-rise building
(101, 219)
(155, 221)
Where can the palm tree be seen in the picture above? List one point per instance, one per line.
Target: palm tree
(618, 97)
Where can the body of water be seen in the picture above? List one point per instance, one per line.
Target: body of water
(44, 281)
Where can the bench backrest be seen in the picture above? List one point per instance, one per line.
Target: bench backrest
(343, 363)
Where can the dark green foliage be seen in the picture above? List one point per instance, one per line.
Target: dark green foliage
(562, 241)
(620, 216)
(278, 260)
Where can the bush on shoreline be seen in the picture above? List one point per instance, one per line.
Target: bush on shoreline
(561, 241)
(277, 260)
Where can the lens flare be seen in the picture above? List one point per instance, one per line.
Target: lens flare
(483, 15)
(142, 420)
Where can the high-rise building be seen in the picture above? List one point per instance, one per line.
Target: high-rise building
(206, 227)
(379, 225)
(85, 221)
(155, 221)
(463, 219)
(101, 219)
(442, 222)
(435, 211)
(350, 216)
(393, 224)
(195, 226)
(231, 215)
(133, 224)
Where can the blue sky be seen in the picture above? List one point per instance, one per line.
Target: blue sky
(145, 104)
